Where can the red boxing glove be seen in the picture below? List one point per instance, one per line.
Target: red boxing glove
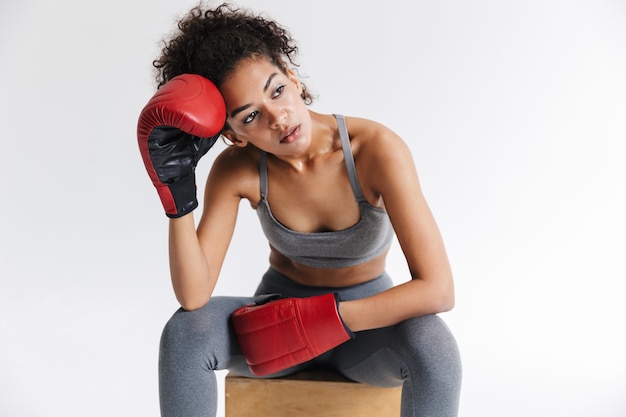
(286, 332)
(180, 123)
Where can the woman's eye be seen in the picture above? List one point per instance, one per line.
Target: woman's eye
(278, 91)
(250, 117)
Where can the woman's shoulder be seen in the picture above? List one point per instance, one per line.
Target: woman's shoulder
(237, 169)
(369, 136)
(359, 123)
(379, 153)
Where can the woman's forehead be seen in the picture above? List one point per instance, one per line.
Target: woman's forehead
(250, 75)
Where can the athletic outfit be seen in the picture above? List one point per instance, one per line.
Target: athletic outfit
(419, 353)
(364, 241)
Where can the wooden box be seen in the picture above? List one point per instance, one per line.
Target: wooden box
(308, 394)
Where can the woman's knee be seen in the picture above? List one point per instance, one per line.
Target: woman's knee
(432, 346)
(201, 335)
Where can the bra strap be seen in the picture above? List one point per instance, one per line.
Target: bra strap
(263, 174)
(348, 157)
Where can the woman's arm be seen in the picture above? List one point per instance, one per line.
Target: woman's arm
(189, 269)
(391, 174)
(197, 255)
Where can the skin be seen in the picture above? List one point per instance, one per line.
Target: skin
(309, 191)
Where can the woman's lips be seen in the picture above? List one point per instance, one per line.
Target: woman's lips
(291, 136)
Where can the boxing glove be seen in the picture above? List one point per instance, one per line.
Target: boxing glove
(179, 125)
(281, 333)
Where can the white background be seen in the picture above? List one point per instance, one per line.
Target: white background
(515, 115)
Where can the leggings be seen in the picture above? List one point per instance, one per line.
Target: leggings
(420, 354)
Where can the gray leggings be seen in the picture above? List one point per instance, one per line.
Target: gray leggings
(420, 354)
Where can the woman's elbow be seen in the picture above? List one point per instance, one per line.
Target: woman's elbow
(445, 299)
(192, 303)
(448, 302)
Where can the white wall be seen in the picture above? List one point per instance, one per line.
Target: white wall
(515, 114)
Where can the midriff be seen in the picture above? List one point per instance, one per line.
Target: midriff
(322, 277)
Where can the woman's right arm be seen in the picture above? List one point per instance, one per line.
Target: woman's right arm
(197, 255)
(178, 125)
(189, 268)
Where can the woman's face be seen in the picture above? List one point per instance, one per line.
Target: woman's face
(264, 108)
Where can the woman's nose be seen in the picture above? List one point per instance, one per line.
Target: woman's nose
(276, 116)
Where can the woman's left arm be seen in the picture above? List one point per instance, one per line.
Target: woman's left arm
(391, 174)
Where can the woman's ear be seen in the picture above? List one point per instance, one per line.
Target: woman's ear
(233, 139)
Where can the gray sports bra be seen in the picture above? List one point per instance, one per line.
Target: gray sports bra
(368, 238)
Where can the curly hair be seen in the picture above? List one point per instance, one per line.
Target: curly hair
(212, 42)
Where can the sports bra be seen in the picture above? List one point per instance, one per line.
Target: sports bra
(368, 238)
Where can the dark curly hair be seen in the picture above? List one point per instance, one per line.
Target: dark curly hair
(212, 42)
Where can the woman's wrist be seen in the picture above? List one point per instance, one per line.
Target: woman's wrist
(348, 315)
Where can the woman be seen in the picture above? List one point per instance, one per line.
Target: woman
(330, 192)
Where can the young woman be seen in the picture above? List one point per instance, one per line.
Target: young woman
(330, 191)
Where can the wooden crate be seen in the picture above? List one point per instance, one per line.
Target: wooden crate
(308, 394)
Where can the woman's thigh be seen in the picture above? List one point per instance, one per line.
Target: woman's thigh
(204, 336)
(420, 348)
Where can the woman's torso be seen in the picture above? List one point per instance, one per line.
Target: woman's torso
(320, 200)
